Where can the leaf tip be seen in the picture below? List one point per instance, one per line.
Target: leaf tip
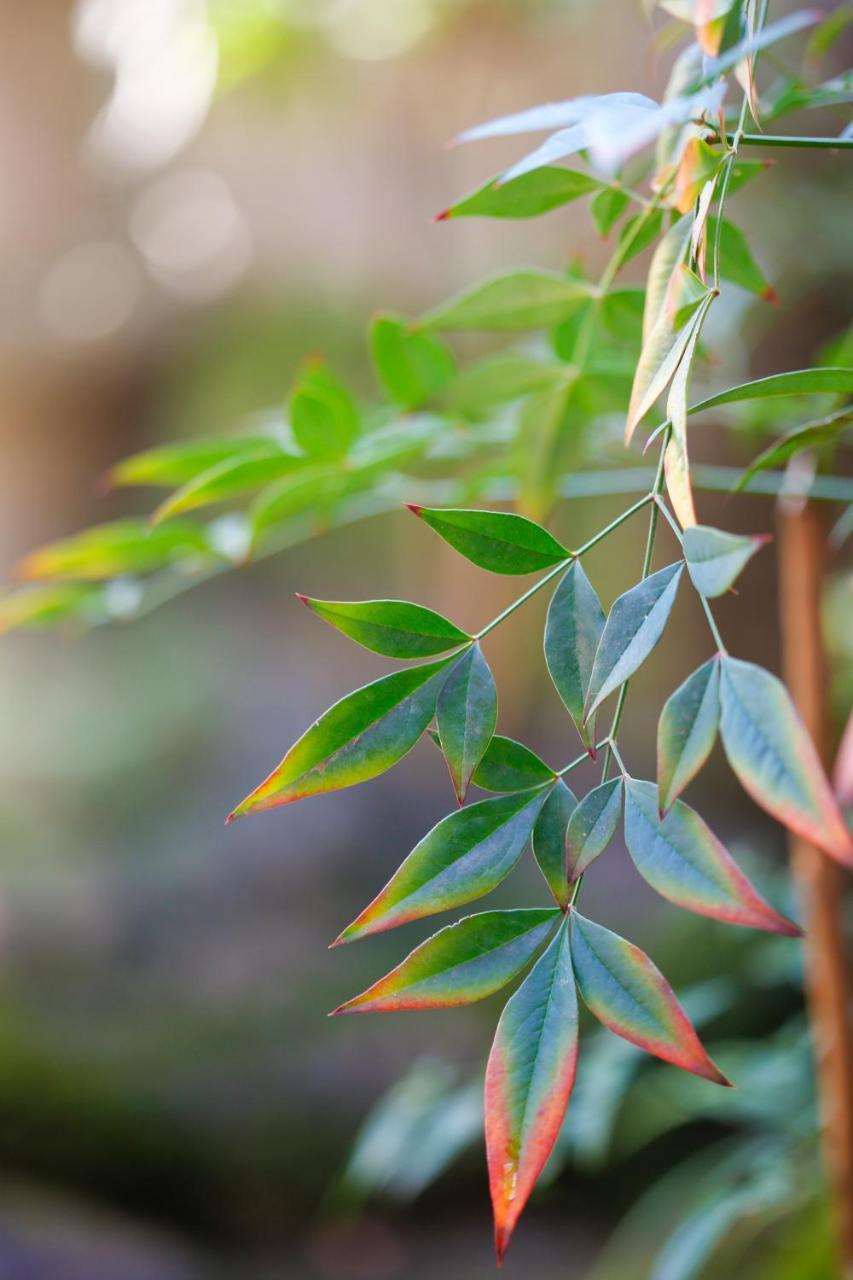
(444, 216)
(414, 507)
(770, 295)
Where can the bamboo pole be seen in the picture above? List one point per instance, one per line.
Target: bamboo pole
(820, 882)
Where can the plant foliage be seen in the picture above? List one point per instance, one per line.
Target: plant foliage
(504, 427)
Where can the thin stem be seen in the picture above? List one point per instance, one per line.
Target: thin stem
(715, 631)
(528, 594)
(647, 564)
(614, 524)
(617, 757)
(779, 140)
(669, 517)
(579, 760)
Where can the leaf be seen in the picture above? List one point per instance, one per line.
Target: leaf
(500, 379)
(176, 464)
(770, 34)
(518, 300)
(323, 415)
(795, 382)
(810, 435)
(529, 1079)
(45, 606)
(412, 367)
(716, 558)
(552, 115)
(662, 353)
(510, 766)
(698, 165)
(549, 840)
(466, 714)
(638, 233)
(573, 630)
(499, 541)
(687, 730)
(676, 464)
(633, 628)
(607, 207)
(628, 993)
(109, 550)
(774, 759)
(304, 490)
(592, 826)
(358, 738)
(464, 962)
(391, 627)
(229, 479)
(684, 861)
(465, 856)
(666, 257)
(525, 197)
(737, 262)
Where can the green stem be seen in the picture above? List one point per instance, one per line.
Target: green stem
(657, 488)
(528, 594)
(558, 568)
(614, 524)
(617, 757)
(579, 760)
(779, 140)
(715, 631)
(669, 517)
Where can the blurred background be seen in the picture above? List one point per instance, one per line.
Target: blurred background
(198, 194)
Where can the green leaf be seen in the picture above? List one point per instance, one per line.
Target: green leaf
(520, 300)
(684, 861)
(45, 606)
(628, 993)
(687, 730)
(465, 856)
(676, 463)
(592, 826)
(391, 627)
(633, 628)
(822, 381)
(737, 263)
(715, 558)
(572, 632)
(412, 367)
(466, 714)
(176, 464)
(549, 840)
(607, 208)
(639, 232)
(499, 541)
(110, 550)
(499, 380)
(524, 197)
(358, 738)
(465, 962)
(666, 257)
(510, 766)
(229, 479)
(529, 1079)
(774, 759)
(310, 488)
(810, 435)
(664, 348)
(323, 415)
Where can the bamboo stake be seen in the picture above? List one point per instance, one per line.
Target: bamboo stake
(820, 882)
